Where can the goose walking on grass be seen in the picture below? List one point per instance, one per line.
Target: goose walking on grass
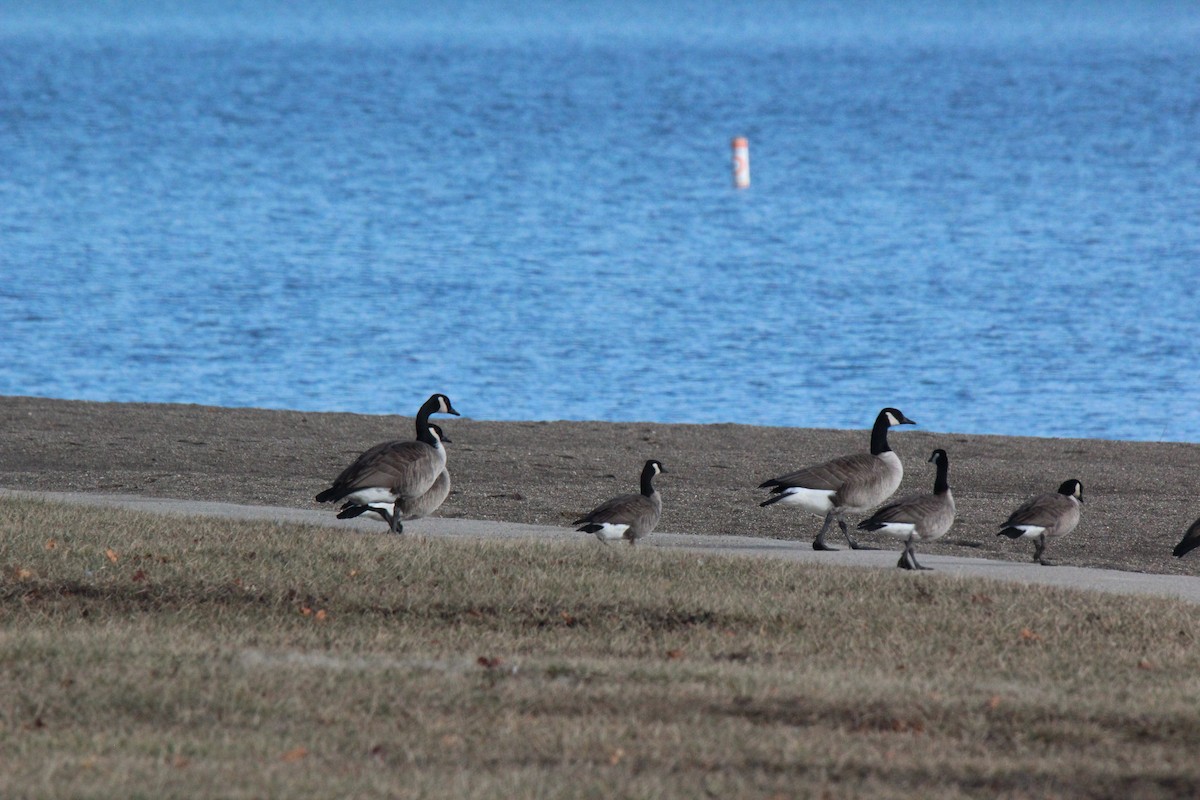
(408, 508)
(1046, 516)
(919, 517)
(848, 483)
(628, 516)
(392, 473)
(1190, 540)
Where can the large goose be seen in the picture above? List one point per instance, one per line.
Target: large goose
(628, 516)
(395, 471)
(1046, 516)
(918, 517)
(409, 508)
(847, 483)
(1190, 540)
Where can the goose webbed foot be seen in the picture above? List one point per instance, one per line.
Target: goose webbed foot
(1046, 562)
(854, 545)
(908, 560)
(819, 542)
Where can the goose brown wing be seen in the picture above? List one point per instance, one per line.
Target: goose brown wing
(932, 514)
(912, 508)
(410, 466)
(1045, 511)
(831, 475)
(620, 509)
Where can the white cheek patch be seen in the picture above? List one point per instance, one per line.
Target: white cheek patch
(891, 418)
(818, 501)
(609, 531)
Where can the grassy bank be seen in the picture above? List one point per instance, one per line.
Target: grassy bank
(157, 657)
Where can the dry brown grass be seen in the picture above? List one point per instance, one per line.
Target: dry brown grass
(153, 657)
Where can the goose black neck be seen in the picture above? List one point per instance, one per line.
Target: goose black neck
(430, 406)
(941, 483)
(879, 442)
(648, 481)
(425, 432)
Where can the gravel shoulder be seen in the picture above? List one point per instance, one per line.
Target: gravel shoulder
(1139, 496)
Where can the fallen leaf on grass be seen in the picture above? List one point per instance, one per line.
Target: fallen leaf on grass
(993, 702)
(489, 663)
(305, 611)
(674, 655)
(139, 576)
(1029, 636)
(111, 555)
(616, 756)
(1145, 664)
(51, 544)
(320, 616)
(294, 755)
(22, 574)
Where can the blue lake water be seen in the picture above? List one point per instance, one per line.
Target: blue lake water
(986, 214)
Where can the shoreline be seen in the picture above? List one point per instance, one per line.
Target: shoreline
(1138, 496)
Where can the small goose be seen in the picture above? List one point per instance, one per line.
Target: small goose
(1190, 540)
(629, 516)
(1046, 516)
(408, 508)
(395, 471)
(847, 483)
(918, 517)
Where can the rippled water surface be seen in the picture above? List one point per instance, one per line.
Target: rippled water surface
(985, 214)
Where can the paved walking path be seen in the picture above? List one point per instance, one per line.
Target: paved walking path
(1183, 587)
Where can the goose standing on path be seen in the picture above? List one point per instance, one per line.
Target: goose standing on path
(1046, 516)
(396, 471)
(628, 516)
(408, 508)
(1190, 540)
(918, 517)
(846, 483)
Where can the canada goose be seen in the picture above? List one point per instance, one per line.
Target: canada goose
(846, 483)
(394, 471)
(1046, 516)
(1189, 541)
(918, 517)
(408, 508)
(629, 516)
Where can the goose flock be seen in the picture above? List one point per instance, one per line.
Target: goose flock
(404, 480)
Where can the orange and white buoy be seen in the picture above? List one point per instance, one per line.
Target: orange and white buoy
(741, 162)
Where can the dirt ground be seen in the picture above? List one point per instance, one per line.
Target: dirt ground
(1138, 496)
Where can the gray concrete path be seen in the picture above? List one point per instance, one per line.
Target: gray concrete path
(1182, 587)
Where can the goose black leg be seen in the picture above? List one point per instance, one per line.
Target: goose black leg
(854, 545)
(1039, 549)
(908, 559)
(819, 542)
